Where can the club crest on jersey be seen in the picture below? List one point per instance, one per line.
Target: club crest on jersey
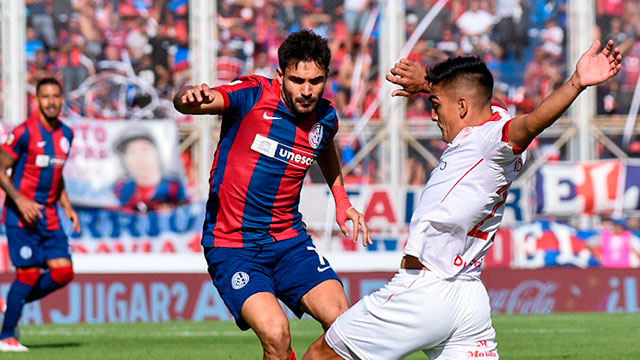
(273, 149)
(64, 145)
(239, 280)
(315, 135)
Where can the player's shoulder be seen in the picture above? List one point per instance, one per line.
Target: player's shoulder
(243, 83)
(326, 109)
(66, 129)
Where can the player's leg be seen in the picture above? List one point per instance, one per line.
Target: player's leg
(305, 282)
(26, 278)
(326, 302)
(59, 274)
(474, 336)
(25, 252)
(412, 312)
(263, 313)
(243, 280)
(55, 251)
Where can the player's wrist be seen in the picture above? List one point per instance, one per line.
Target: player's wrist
(341, 198)
(575, 82)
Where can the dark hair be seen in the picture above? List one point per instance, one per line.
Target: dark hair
(469, 69)
(304, 45)
(47, 81)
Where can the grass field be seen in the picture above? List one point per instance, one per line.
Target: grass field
(556, 336)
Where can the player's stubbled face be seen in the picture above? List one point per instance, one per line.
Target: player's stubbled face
(302, 86)
(443, 111)
(50, 100)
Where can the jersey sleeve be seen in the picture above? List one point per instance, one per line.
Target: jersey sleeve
(494, 138)
(17, 141)
(240, 95)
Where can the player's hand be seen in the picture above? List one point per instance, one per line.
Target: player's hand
(596, 67)
(357, 219)
(73, 216)
(29, 209)
(411, 76)
(196, 95)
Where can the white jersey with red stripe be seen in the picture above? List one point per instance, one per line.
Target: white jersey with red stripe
(462, 204)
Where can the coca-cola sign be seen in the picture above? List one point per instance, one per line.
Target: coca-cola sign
(530, 296)
(562, 290)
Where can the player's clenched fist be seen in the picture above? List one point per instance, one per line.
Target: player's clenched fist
(198, 99)
(198, 94)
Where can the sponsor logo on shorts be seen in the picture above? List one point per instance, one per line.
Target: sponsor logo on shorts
(478, 354)
(315, 135)
(273, 149)
(239, 280)
(323, 269)
(26, 252)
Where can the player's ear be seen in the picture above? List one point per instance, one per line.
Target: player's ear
(280, 75)
(463, 107)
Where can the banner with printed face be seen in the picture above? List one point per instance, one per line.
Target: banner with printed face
(132, 165)
(566, 189)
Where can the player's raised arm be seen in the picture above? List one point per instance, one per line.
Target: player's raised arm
(198, 99)
(329, 163)
(593, 68)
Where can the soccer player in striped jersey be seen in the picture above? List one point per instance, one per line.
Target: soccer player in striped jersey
(436, 303)
(254, 240)
(36, 152)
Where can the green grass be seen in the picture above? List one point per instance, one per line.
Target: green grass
(555, 336)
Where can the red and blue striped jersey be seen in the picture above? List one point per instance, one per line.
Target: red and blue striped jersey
(260, 163)
(40, 153)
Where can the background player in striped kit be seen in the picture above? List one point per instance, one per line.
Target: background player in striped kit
(36, 152)
(436, 303)
(254, 239)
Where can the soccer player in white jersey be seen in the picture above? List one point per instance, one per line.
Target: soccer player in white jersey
(436, 302)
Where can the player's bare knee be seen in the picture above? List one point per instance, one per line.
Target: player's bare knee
(276, 337)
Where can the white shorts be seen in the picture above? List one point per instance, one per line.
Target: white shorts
(416, 311)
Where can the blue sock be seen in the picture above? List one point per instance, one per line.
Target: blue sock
(43, 287)
(15, 301)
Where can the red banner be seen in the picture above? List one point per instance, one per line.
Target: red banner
(116, 298)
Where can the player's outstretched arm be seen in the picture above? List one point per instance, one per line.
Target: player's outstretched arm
(198, 99)
(329, 163)
(593, 68)
(29, 209)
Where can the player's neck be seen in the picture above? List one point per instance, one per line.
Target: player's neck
(479, 116)
(50, 124)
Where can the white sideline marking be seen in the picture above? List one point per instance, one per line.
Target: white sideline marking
(545, 331)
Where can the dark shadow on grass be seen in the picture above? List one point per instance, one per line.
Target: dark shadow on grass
(54, 345)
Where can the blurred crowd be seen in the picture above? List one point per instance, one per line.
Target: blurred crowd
(125, 58)
(116, 58)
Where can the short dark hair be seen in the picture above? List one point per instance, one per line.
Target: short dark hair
(462, 68)
(304, 45)
(47, 81)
